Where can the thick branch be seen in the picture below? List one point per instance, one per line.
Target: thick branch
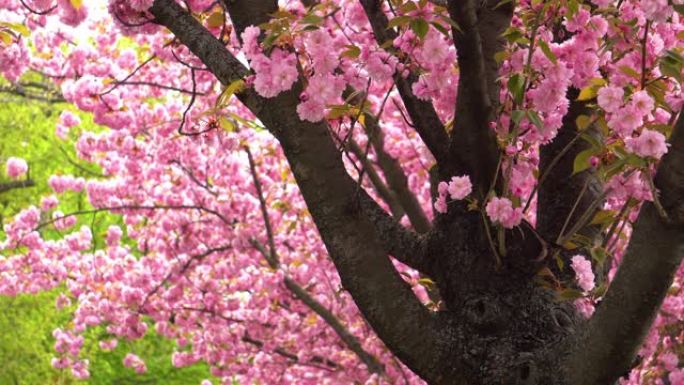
(473, 142)
(423, 115)
(396, 178)
(615, 333)
(388, 196)
(332, 196)
(245, 13)
(7, 186)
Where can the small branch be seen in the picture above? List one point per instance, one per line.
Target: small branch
(182, 270)
(134, 207)
(264, 210)
(157, 85)
(34, 11)
(124, 80)
(21, 91)
(381, 188)
(7, 186)
(316, 361)
(422, 113)
(272, 258)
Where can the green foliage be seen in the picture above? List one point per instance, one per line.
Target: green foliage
(26, 339)
(27, 321)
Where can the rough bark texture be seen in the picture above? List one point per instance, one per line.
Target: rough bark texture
(496, 326)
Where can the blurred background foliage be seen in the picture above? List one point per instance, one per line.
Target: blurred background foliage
(27, 129)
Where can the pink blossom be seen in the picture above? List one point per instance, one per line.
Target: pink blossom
(610, 98)
(62, 301)
(80, 369)
(460, 187)
(311, 110)
(625, 120)
(583, 272)
(649, 144)
(141, 5)
(134, 362)
(500, 210)
(657, 10)
(441, 204)
(669, 360)
(71, 15)
(69, 119)
(250, 41)
(642, 103)
(16, 167)
(676, 377)
(108, 345)
(48, 202)
(442, 188)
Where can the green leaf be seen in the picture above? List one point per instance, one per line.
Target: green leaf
(629, 71)
(440, 28)
(535, 119)
(569, 295)
(451, 22)
(352, 51)
(398, 21)
(672, 68)
(311, 19)
(573, 8)
(512, 34)
(583, 122)
(339, 110)
(582, 162)
(232, 89)
(516, 85)
(5, 37)
(600, 290)
(227, 124)
(603, 217)
(587, 93)
(407, 7)
(501, 56)
(598, 254)
(547, 51)
(420, 27)
(16, 27)
(215, 20)
(517, 116)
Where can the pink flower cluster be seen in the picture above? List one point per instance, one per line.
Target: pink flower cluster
(583, 272)
(501, 211)
(458, 188)
(649, 144)
(275, 73)
(628, 118)
(69, 346)
(67, 120)
(63, 183)
(134, 362)
(16, 167)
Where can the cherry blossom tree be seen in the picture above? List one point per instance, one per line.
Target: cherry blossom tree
(373, 192)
